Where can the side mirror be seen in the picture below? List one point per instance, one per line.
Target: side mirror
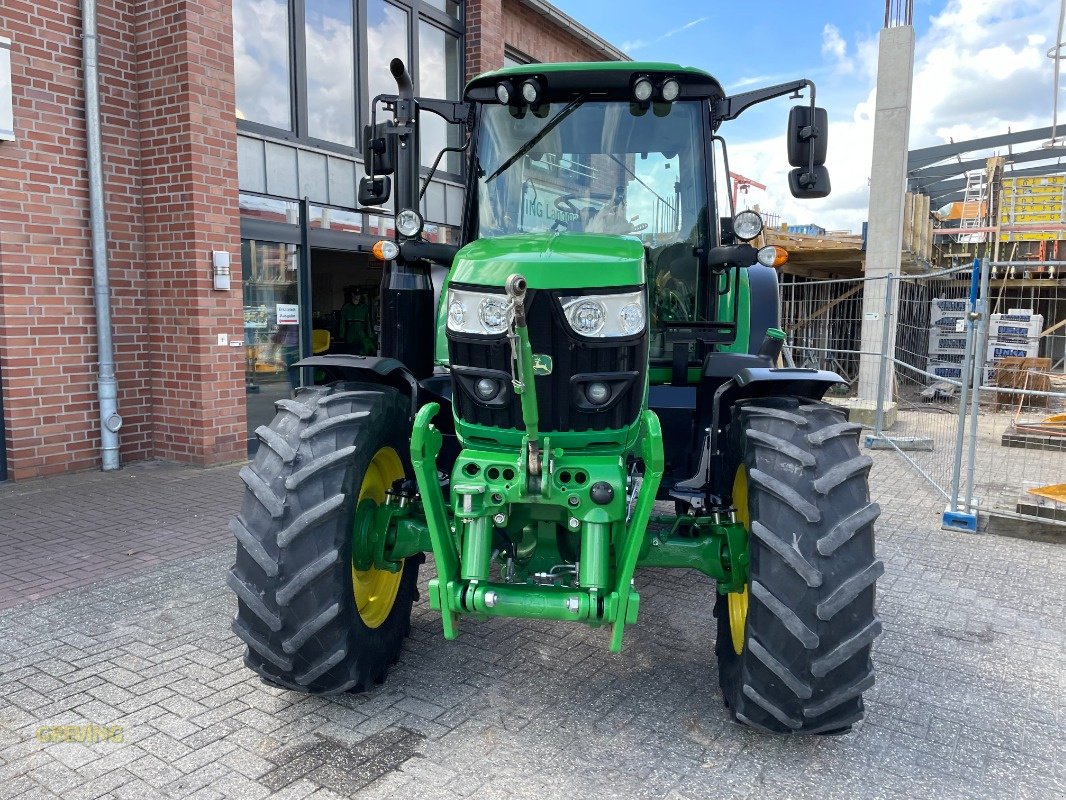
(807, 132)
(375, 191)
(379, 149)
(809, 185)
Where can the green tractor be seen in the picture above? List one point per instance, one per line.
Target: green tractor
(586, 384)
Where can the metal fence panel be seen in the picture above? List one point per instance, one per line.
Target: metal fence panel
(972, 390)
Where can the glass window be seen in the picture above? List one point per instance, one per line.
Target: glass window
(330, 71)
(261, 61)
(449, 7)
(516, 58)
(386, 39)
(603, 167)
(271, 326)
(335, 219)
(271, 209)
(593, 167)
(438, 76)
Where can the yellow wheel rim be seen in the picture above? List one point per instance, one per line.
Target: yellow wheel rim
(375, 589)
(738, 601)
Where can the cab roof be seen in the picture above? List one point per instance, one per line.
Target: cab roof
(598, 77)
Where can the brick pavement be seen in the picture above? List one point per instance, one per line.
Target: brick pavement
(969, 703)
(72, 530)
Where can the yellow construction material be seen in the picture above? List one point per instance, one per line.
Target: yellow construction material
(1056, 492)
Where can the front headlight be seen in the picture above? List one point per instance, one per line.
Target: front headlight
(477, 312)
(606, 314)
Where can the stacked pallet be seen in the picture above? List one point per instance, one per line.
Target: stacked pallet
(947, 337)
(1015, 334)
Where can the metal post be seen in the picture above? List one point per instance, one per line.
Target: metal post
(965, 379)
(978, 378)
(106, 384)
(888, 352)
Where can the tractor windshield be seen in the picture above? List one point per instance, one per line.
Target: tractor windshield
(592, 167)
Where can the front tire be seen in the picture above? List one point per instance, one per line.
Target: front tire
(311, 621)
(794, 648)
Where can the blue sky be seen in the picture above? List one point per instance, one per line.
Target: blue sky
(980, 67)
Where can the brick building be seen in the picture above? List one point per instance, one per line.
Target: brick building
(228, 126)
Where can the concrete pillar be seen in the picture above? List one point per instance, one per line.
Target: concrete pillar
(888, 173)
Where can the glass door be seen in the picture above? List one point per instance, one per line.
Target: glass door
(272, 338)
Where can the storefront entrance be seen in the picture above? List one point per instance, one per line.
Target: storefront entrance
(333, 297)
(271, 326)
(344, 302)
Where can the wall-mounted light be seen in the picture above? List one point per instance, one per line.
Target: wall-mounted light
(220, 264)
(7, 114)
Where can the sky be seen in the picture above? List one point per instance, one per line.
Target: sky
(980, 68)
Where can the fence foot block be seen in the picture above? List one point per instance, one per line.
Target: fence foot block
(959, 521)
(875, 442)
(865, 411)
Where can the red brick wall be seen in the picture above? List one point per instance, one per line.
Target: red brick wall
(170, 189)
(47, 332)
(484, 36)
(492, 24)
(189, 197)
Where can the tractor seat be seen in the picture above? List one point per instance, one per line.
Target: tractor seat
(320, 339)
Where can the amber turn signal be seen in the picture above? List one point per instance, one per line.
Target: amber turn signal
(772, 256)
(385, 250)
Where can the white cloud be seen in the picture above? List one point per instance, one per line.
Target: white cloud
(980, 69)
(835, 48)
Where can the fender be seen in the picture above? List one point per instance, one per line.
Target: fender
(372, 369)
(747, 384)
(753, 382)
(764, 305)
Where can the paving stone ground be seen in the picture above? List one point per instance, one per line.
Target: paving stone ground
(970, 700)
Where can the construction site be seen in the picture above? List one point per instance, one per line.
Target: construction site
(973, 344)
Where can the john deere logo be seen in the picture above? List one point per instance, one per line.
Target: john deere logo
(542, 364)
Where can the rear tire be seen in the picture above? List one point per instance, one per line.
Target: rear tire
(810, 621)
(293, 576)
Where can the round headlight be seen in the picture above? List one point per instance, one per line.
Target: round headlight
(486, 388)
(747, 225)
(631, 318)
(456, 314)
(530, 91)
(409, 223)
(493, 315)
(598, 393)
(503, 92)
(642, 90)
(671, 89)
(587, 317)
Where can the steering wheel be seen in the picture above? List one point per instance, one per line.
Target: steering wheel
(605, 219)
(565, 202)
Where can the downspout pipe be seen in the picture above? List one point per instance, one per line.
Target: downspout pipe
(106, 384)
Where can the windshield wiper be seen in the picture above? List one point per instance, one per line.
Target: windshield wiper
(566, 111)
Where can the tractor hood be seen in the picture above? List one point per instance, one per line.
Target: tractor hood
(552, 261)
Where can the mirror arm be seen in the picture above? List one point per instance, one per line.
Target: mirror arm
(732, 107)
(414, 250)
(732, 255)
(452, 111)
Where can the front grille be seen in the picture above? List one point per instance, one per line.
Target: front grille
(551, 335)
